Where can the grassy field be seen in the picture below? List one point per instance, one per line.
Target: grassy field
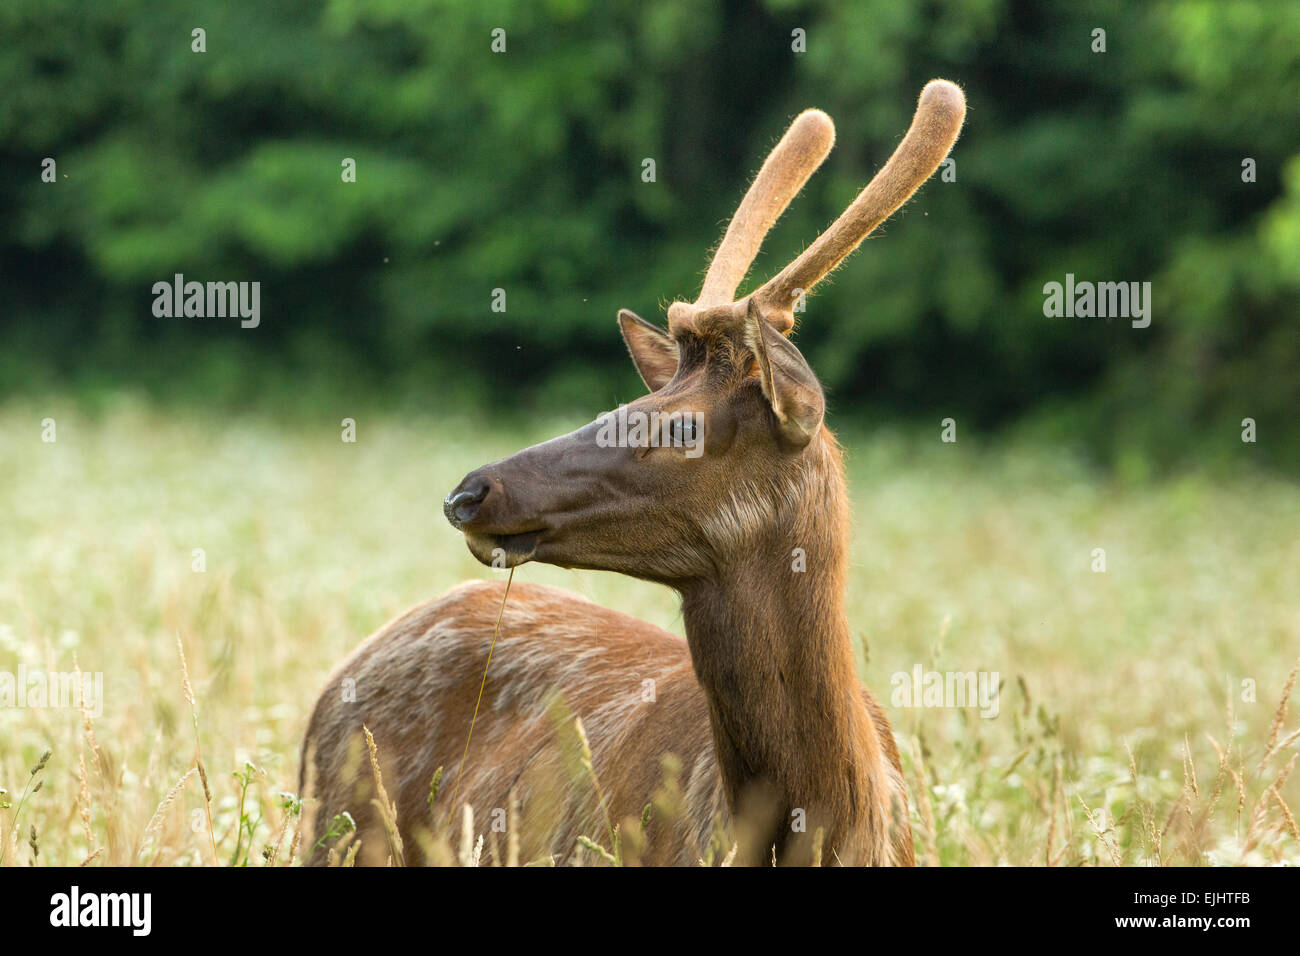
(1133, 727)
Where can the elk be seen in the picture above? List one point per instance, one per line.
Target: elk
(760, 706)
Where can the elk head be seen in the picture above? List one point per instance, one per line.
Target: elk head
(671, 486)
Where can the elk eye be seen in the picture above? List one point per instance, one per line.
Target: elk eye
(683, 431)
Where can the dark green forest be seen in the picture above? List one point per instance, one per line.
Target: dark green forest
(1171, 157)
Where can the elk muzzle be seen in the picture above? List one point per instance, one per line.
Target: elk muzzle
(478, 507)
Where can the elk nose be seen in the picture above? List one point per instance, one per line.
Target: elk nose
(462, 505)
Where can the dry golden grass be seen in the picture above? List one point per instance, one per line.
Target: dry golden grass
(1125, 734)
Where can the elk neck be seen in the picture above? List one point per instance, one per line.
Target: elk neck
(772, 650)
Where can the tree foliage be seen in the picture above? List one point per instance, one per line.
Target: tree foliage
(522, 170)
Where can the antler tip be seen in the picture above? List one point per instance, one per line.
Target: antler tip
(815, 125)
(944, 95)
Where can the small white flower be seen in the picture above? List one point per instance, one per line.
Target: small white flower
(8, 641)
(951, 797)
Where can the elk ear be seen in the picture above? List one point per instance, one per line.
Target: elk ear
(653, 352)
(789, 384)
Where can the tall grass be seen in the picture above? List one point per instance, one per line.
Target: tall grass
(1138, 723)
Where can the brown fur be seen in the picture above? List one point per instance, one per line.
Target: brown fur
(776, 740)
(416, 679)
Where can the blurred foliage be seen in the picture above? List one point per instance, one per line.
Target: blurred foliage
(522, 171)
